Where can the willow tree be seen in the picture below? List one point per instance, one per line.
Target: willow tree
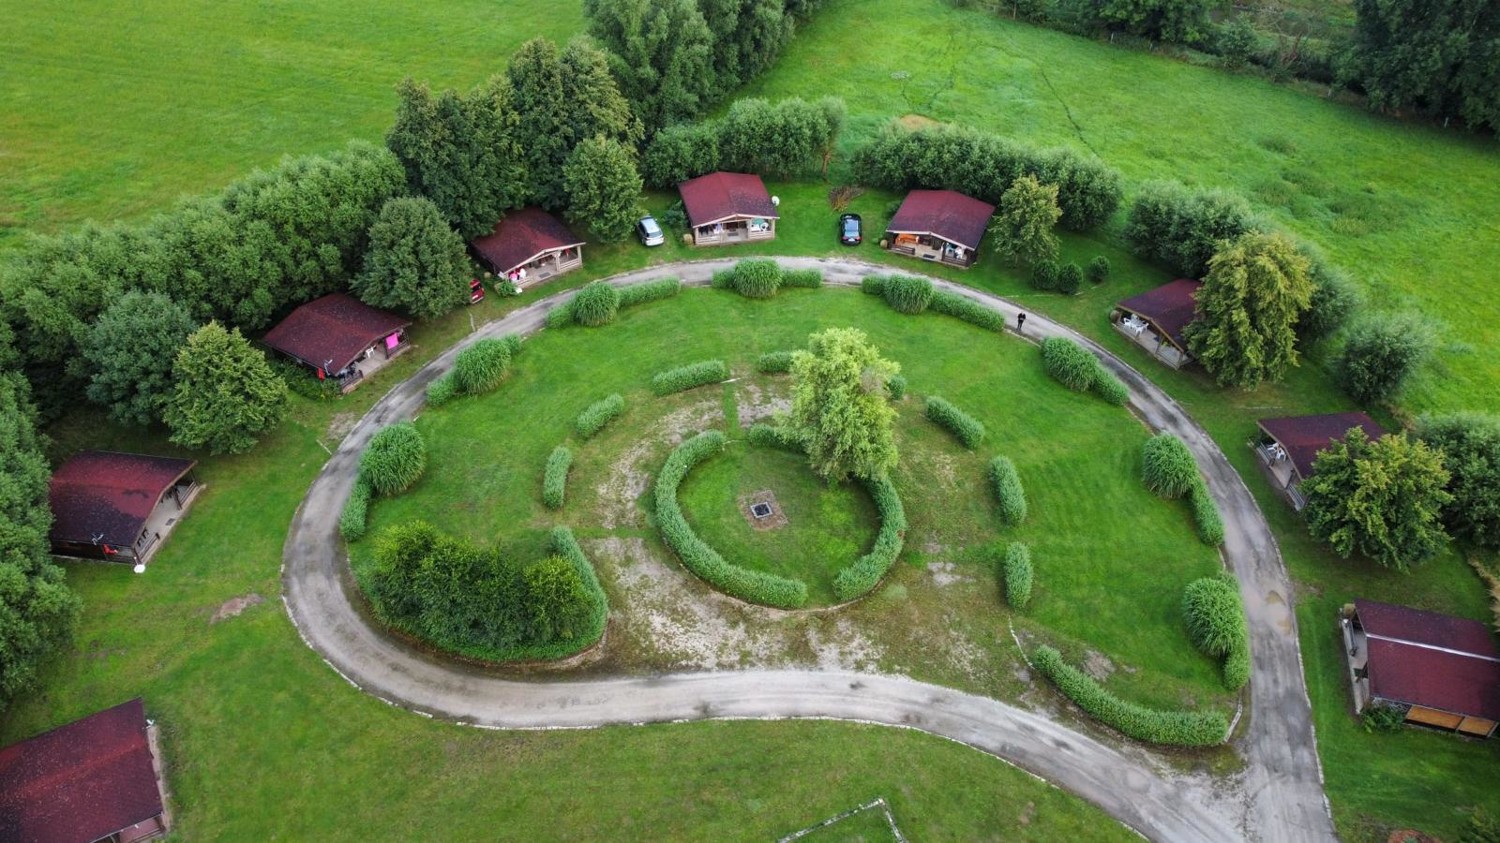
(1256, 290)
(839, 405)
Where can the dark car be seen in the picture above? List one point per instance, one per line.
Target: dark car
(850, 232)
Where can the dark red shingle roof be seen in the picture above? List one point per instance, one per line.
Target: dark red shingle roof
(109, 496)
(1170, 307)
(79, 782)
(1430, 659)
(947, 213)
(330, 332)
(521, 236)
(1304, 436)
(719, 196)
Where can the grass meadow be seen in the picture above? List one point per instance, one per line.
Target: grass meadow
(182, 97)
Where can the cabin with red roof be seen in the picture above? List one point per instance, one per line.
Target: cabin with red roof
(529, 246)
(1289, 446)
(1156, 318)
(1440, 671)
(93, 780)
(339, 337)
(724, 208)
(942, 226)
(118, 507)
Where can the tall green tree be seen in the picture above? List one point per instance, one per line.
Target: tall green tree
(840, 409)
(661, 54)
(416, 263)
(604, 188)
(1023, 227)
(131, 350)
(1437, 56)
(748, 36)
(1380, 352)
(1256, 290)
(1178, 21)
(594, 105)
(1380, 499)
(458, 150)
(225, 394)
(1470, 443)
(37, 611)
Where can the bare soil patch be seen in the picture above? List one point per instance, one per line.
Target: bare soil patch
(233, 606)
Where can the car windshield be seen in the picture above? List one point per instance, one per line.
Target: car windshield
(649, 226)
(851, 227)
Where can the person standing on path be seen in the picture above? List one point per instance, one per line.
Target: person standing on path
(1020, 322)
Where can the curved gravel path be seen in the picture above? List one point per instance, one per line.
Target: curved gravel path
(1278, 796)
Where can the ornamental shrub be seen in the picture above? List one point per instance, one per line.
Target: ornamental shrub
(696, 554)
(964, 427)
(774, 362)
(598, 414)
(1008, 490)
(662, 288)
(562, 543)
(555, 477)
(1098, 270)
(1206, 515)
(1016, 571)
(965, 308)
(1380, 353)
(907, 293)
(895, 386)
(596, 304)
(1168, 728)
(394, 459)
(560, 316)
(866, 572)
(1383, 718)
(689, 376)
(810, 279)
(1069, 363)
(355, 517)
(442, 390)
(723, 279)
(873, 285)
(1069, 279)
(775, 436)
(1168, 467)
(757, 278)
(482, 366)
(1110, 388)
(1215, 619)
(1044, 275)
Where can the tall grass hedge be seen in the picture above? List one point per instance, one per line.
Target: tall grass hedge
(1206, 515)
(1069, 363)
(483, 366)
(965, 308)
(562, 543)
(355, 517)
(596, 304)
(649, 291)
(867, 571)
(774, 362)
(771, 436)
(756, 278)
(1016, 571)
(907, 293)
(598, 414)
(964, 427)
(442, 390)
(1215, 619)
(687, 377)
(1168, 467)
(696, 554)
(555, 477)
(1008, 490)
(394, 459)
(1167, 728)
(807, 279)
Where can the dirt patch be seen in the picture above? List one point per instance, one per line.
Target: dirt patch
(235, 605)
(627, 479)
(1098, 665)
(945, 574)
(340, 425)
(756, 404)
(762, 511)
(917, 121)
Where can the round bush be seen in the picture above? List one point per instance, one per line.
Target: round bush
(907, 293)
(394, 459)
(1070, 363)
(1044, 275)
(1098, 269)
(895, 386)
(595, 305)
(1168, 466)
(1069, 279)
(757, 278)
(1214, 616)
(482, 366)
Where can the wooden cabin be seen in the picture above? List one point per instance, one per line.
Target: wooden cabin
(942, 226)
(118, 507)
(1440, 671)
(1289, 446)
(529, 246)
(725, 208)
(339, 337)
(95, 780)
(1155, 320)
